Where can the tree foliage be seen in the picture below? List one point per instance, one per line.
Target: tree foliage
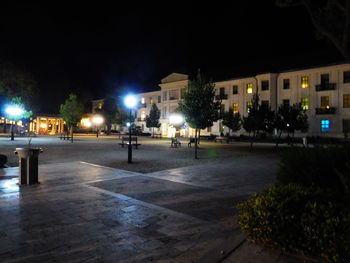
(198, 105)
(331, 18)
(15, 82)
(108, 111)
(71, 111)
(260, 119)
(232, 120)
(152, 121)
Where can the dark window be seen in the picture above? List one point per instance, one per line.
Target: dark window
(286, 84)
(265, 103)
(285, 102)
(346, 77)
(324, 79)
(159, 99)
(222, 91)
(235, 89)
(222, 108)
(265, 85)
(346, 125)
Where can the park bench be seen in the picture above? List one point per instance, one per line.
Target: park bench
(222, 139)
(175, 143)
(192, 140)
(65, 136)
(125, 141)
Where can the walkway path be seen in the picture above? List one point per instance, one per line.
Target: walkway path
(87, 213)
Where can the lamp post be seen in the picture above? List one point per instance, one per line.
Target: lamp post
(97, 120)
(130, 102)
(14, 112)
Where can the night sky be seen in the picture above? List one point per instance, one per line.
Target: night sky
(95, 49)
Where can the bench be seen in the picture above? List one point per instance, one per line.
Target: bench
(64, 136)
(125, 141)
(192, 140)
(175, 143)
(157, 135)
(222, 139)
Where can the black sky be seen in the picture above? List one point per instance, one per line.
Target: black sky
(100, 48)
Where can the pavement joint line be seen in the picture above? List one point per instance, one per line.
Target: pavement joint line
(152, 206)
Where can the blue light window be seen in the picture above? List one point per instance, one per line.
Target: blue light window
(325, 124)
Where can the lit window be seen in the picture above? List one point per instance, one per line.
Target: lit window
(100, 105)
(143, 100)
(346, 101)
(249, 105)
(305, 103)
(143, 115)
(150, 100)
(235, 107)
(249, 88)
(325, 124)
(325, 102)
(304, 82)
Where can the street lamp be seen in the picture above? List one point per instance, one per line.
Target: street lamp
(14, 112)
(97, 120)
(130, 102)
(176, 120)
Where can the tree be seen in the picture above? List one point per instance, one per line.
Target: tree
(198, 106)
(232, 120)
(71, 111)
(152, 121)
(122, 117)
(290, 119)
(108, 111)
(22, 113)
(260, 118)
(15, 82)
(331, 18)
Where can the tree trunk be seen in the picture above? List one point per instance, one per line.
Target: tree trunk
(195, 144)
(199, 136)
(71, 134)
(153, 132)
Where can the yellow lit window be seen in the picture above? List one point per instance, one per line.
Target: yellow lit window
(143, 115)
(325, 102)
(249, 88)
(304, 82)
(249, 105)
(100, 106)
(150, 100)
(235, 107)
(143, 100)
(305, 103)
(346, 101)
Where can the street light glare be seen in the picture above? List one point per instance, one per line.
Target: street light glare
(176, 119)
(97, 120)
(130, 101)
(14, 111)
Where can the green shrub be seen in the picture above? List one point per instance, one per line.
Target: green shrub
(297, 219)
(3, 160)
(315, 167)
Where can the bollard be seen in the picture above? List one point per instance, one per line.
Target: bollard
(28, 165)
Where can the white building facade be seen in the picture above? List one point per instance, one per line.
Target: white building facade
(324, 93)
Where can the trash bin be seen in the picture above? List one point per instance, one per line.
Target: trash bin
(28, 164)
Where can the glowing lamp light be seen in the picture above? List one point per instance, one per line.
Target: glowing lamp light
(128, 124)
(14, 110)
(130, 101)
(176, 119)
(43, 125)
(97, 120)
(85, 121)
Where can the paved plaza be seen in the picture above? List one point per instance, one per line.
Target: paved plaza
(85, 212)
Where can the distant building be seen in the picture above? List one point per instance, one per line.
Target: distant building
(324, 93)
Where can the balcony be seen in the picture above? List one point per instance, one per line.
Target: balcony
(329, 110)
(325, 86)
(221, 97)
